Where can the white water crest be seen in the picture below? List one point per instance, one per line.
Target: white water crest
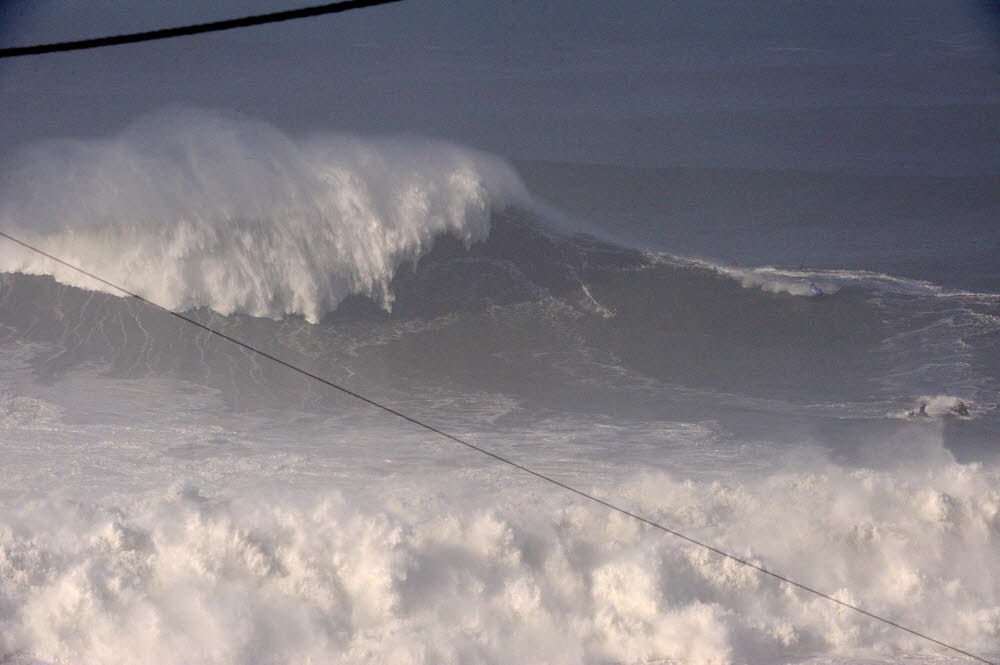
(773, 280)
(195, 209)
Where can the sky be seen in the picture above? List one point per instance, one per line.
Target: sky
(901, 86)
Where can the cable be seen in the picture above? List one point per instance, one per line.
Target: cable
(167, 33)
(497, 457)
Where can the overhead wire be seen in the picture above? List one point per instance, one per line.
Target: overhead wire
(495, 456)
(196, 29)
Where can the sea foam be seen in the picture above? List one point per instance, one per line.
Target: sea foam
(423, 576)
(195, 209)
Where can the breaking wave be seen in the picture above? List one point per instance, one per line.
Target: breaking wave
(195, 209)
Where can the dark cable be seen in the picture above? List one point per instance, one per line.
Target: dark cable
(167, 33)
(499, 458)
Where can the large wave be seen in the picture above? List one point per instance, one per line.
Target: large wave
(301, 530)
(195, 209)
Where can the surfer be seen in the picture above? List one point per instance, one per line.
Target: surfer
(815, 290)
(920, 413)
(961, 409)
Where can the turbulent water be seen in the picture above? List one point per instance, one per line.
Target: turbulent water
(171, 498)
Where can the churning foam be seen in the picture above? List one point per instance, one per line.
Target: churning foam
(194, 209)
(418, 576)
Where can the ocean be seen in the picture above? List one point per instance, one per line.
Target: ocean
(169, 497)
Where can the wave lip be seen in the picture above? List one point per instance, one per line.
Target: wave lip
(195, 209)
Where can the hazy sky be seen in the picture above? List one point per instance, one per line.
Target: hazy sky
(893, 86)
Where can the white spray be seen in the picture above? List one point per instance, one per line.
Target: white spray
(194, 209)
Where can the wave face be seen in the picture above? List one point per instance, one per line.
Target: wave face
(193, 209)
(168, 498)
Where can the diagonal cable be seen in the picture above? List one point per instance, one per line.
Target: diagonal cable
(499, 458)
(181, 31)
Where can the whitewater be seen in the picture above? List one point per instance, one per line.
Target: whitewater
(171, 498)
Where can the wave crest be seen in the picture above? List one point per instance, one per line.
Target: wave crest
(194, 209)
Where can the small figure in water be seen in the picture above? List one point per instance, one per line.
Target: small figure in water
(815, 290)
(920, 413)
(961, 409)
